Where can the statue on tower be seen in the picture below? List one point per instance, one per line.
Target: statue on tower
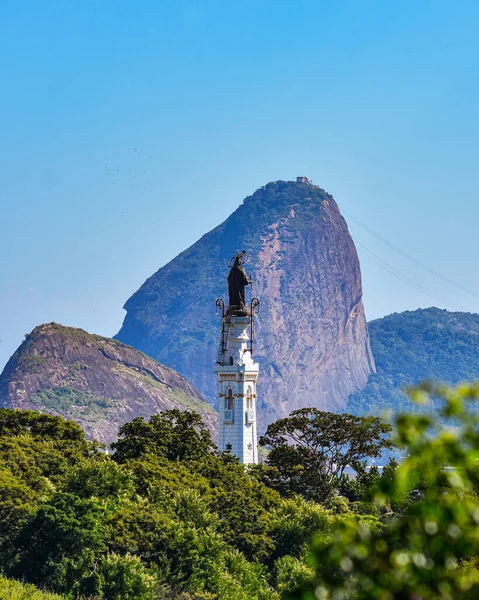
(236, 370)
(237, 281)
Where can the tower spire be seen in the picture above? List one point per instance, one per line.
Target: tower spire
(236, 370)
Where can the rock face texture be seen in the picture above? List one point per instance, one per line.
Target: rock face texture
(98, 382)
(311, 337)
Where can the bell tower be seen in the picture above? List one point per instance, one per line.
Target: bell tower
(236, 370)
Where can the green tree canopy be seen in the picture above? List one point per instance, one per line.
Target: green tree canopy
(429, 550)
(311, 449)
(60, 544)
(18, 422)
(176, 435)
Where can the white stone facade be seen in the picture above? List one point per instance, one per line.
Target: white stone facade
(237, 377)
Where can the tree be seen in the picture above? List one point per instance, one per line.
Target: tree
(428, 551)
(20, 422)
(126, 578)
(311, 449)
(35, 445)
(17, 503)
(177, 435)
(361, 487)
(99, 477)
(59, 546)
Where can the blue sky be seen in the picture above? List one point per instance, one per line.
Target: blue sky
(130, 128)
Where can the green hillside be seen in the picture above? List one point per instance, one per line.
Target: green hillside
(413, 346)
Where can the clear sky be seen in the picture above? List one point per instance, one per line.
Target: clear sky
(130, 128)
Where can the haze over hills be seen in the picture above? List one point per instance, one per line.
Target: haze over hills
(412, 346)
(102, 383)
(98, 382)
(312, 340)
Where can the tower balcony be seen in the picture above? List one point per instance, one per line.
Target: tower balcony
(238, 371)
(238, 311)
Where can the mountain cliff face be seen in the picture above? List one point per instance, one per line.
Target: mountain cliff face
(413, 346)
(311, 336)
(98, 382)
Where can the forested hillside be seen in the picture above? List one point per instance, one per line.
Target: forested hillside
(409, 347)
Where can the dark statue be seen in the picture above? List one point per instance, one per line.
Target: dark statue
(237, 280)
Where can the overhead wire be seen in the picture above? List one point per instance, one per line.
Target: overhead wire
(404, 277)
(411, 258)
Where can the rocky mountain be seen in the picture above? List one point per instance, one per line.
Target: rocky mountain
(312, 339)
(98, 382)
(413, 346)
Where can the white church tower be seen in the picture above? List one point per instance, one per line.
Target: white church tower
(236, 370)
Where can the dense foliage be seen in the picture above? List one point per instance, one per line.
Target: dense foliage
(14, 590)
(311, 450)
(166, 516)
(426, 344)
(428, 547)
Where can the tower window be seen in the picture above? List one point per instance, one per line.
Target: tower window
(229, 401)
(231, 360)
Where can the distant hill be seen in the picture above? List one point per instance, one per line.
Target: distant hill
(98, 382)
(412, 346)
(312, 342)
